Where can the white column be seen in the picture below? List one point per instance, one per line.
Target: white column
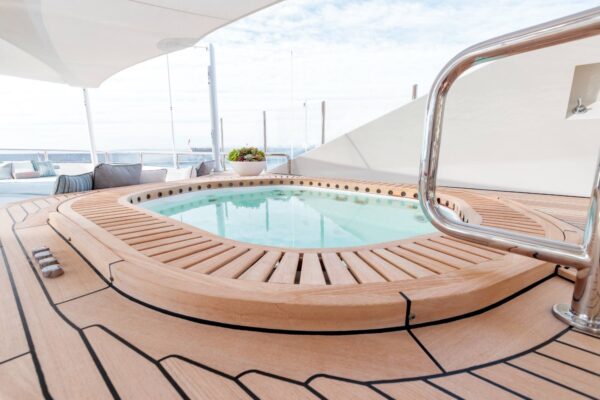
(214, 111)
(175, 160)
(90, 123)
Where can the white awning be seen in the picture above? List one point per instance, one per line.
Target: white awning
(84, 42)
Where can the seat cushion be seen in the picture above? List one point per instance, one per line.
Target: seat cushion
(115, 175)
(21, 166)
(73, 183)
(27, 175)
(6, 170)
(153, 175)
(45, 168)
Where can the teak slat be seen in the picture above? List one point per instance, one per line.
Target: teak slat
(218, 260)
(415, 270)
(186, 250)
(425, 262)
(336, 270)
(360, 269)
(436, 255)
(311, 272)
(240, 264)
(198, 257)
(166, 248)
(262, 269)
(387, 270)
(285, 272)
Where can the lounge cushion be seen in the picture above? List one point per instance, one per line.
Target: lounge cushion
(27, 175)
(115, 175)
(45, 168)
(21, 166)
(73, 183)
(153, 175)
(6, 171)
(205, 168)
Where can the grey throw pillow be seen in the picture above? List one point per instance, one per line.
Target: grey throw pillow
(73, 183)
(205, 168)
(109, 176)
(5, 171)
(153, 176)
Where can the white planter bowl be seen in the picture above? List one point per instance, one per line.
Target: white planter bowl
(248, 168)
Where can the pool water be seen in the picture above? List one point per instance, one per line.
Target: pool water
(286, 216)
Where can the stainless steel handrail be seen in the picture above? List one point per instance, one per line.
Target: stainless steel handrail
(584, 311)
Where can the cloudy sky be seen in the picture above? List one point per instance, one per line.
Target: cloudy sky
(361, 57)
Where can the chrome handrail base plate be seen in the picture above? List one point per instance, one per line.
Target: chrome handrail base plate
(563, 312)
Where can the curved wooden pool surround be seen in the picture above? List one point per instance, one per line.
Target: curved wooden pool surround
(191, 272)
(451, 320)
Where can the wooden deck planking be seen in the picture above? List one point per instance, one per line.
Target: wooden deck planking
(337, 389)
(526, 384)
(18, 380)
(200, 383)
(79, 278)
(560, 373)
(57, 343)
(582, 341)
(268, 388)
(571, 356)
(132, 375)
(414, 390)
(12, 335)
(525, 321)
(469, 386)
(374, 357)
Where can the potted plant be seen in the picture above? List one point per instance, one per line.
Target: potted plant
(247, 161)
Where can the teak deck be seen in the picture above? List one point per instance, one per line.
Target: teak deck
(150, 308)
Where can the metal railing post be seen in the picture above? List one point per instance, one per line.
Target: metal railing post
(323, 122)
(584, 311)
(265, 131)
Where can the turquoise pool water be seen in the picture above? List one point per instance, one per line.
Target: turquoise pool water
(286, 216)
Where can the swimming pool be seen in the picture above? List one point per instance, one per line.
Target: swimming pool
(293, 217)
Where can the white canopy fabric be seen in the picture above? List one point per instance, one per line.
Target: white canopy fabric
(84, 42)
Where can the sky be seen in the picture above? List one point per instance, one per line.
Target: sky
(360, 57)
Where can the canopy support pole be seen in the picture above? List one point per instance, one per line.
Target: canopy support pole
(173, 148)
(90, 124)
(214, 111)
